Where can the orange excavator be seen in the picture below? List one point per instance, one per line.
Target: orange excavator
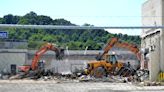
(38, 54)
(108, 63)
(114, 42)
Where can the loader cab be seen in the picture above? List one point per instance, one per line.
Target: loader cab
(111, 58)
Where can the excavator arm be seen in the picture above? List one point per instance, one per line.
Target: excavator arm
(40, 52)
(108, 47)
(131, 47)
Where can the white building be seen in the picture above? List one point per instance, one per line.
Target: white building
(153, 39)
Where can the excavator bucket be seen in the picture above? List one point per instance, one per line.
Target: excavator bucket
(60, 54)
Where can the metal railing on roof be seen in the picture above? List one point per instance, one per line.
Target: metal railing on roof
(75, 27)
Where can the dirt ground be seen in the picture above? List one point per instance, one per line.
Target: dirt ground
(57, 86)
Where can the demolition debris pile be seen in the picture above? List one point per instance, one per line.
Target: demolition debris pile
(105, 68)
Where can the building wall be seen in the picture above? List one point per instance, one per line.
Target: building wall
(9, 56)
(151, 12)
(162, 51)
(154, 65)
(153, 39)
(13, 45)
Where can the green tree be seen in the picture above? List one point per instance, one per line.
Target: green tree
(44, 20)
(75, 39)
(1, 20)
(61, 22)
(10, 19)
(31, 18)
(23, 21)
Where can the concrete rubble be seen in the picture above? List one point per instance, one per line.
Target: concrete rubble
(138, 79)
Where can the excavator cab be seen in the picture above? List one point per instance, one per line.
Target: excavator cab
(111, 59)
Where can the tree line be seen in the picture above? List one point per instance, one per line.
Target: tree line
(73, 39)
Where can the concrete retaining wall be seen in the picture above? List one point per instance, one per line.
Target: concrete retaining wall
(11, 56)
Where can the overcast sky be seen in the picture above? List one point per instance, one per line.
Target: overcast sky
(95, 12)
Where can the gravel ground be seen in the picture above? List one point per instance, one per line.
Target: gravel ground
(56, 86)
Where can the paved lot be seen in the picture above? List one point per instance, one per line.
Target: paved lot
(53, 86)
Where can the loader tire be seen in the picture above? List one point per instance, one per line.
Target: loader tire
(99, 72)
(125, 72)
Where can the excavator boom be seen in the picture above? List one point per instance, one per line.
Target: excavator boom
(110, 45)
(114, 42)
